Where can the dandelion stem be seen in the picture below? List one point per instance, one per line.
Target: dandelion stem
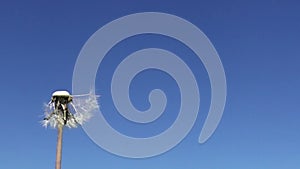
(59, 146)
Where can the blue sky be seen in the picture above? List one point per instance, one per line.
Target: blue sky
(258, 43)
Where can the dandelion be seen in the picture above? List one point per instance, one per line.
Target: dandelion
(70, 111)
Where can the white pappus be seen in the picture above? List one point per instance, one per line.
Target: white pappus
(69, 110)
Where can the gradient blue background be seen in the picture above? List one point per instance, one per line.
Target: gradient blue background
(258, 43)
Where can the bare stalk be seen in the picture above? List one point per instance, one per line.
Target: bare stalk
(59, 146)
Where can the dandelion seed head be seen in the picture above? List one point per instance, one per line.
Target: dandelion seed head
(80, 108)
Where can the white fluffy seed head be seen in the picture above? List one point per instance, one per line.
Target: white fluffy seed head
(82, 108)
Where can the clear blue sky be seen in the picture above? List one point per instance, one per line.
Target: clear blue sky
(258, 43)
